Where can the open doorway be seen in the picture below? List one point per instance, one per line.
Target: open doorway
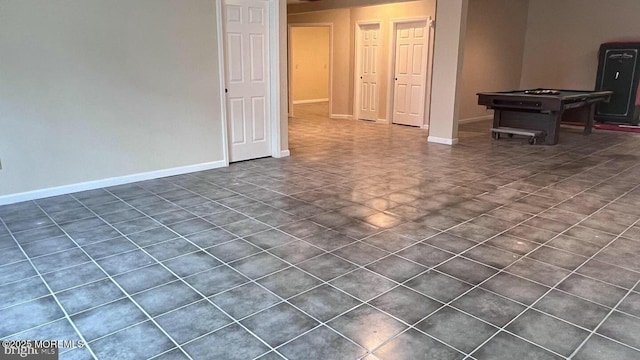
(310, 76)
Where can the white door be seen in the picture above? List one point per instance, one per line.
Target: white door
(410, 73)
(367, 67)
(246, 37)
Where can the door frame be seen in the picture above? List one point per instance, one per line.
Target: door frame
(290, 63)
(356, 59)
(273, 49)
(429, 66)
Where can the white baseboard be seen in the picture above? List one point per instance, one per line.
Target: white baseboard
(341, 116)
(310, 101)
(382, 121)
(439, 140)
(284, 153)
(97, 184)
(475, 119)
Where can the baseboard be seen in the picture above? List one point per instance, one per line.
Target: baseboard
(475, 119)
(382, 121)
(284, 153)
(97, 184)
(341, 116)
(439, 140)
(310, 101)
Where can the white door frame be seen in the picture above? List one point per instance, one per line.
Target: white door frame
(274, 78)
(290, 63)
(428, 72)
(356, 77)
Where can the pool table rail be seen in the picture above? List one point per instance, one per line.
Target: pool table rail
(542, 112)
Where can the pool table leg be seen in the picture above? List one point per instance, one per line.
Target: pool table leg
(553, 133)
(496, 118)
(588, 124)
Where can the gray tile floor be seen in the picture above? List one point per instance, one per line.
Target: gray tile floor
(368, 242)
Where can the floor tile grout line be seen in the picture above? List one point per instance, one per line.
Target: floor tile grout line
(163, 354)
(235, 194)
(281, 301)
(62, 309)
(506, 268)
(182, 280)
(185, 208)
(251, 281)
(250, 255)
(122, 290)
(240, 285)
(408, 280)
(119, 254)
(594, 331)
(286, 300)
(503, 328)
(476, 286)
(533, 175)
(557, 233)
(403, 284)
(325, 282)
(389, 290)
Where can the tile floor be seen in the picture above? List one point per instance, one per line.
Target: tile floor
(368, 242)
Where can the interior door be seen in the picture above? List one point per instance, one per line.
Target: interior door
(368, 64)
(411, 43)
(246, 35)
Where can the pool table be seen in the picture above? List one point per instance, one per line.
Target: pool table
(542, 110)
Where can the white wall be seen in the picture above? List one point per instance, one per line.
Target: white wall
(97, 89)
(310, 57)
(493, 52)
(448, 59)
(335, 4)
(563, 38)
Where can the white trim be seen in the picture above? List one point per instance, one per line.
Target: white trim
(221, 73)
(284, 153)
(356, 64)
(382, 121)
(475, 119)
(425, 126)
(290, 63)
(310, 101)
(98, 184)
(274, 64)
(439, 140)
(426, 118)
(341, 116)
(428, 84)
